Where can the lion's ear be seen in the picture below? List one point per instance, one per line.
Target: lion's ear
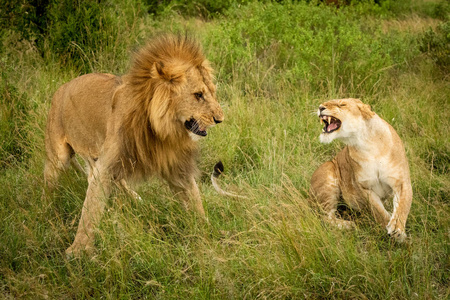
(158, 66)
(366, 110)
(172, 75)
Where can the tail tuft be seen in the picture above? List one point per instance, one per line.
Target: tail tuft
(218, 169)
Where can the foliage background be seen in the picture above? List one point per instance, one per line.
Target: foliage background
(275, 61)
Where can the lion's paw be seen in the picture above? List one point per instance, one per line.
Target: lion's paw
(76, 251)
(135, 196)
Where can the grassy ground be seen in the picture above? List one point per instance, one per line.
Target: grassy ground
(275, 63)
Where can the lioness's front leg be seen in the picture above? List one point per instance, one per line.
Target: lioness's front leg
(93, 208)
(402, 205)
(376, 206)
(189, 194)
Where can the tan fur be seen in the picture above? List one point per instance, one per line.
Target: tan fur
(134, 126)
(372, 167)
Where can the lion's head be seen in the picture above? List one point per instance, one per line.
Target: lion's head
(172, 87)
(172, 102)
(342, 118)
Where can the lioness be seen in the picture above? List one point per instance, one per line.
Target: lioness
(370, 168)
(144, 123)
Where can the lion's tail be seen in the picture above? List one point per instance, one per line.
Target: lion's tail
(218, 170)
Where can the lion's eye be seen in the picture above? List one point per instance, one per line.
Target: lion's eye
(199, 95)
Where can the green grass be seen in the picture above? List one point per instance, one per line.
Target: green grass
(275, 63)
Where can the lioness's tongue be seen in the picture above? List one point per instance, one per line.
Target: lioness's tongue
(332, 127)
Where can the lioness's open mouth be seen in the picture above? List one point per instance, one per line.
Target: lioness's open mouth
(331, 123)
(193, 126)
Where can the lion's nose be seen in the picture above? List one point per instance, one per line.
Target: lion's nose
(321, 108)
(217, 121)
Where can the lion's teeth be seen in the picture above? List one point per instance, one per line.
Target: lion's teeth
(329, 120)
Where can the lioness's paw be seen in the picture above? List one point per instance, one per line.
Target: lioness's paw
(341, 224)
(346, 225)
(398, 234)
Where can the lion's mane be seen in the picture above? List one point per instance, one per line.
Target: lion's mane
(153, 141)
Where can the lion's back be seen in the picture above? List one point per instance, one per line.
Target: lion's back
(80, 112)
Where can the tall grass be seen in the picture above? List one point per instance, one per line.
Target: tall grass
(274, 64)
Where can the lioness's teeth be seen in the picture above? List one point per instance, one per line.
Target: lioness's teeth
(329, 120)
(323, 130)
(321, 121)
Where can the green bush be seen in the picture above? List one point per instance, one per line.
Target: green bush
(436, 44)
(78, 29)
(198, 8)
(13, 113)
(73, 32)
(28, 17)
(319, 45)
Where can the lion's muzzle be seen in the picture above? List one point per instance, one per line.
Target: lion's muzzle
(193, 126)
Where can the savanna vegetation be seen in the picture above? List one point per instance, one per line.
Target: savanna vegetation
(275, 62)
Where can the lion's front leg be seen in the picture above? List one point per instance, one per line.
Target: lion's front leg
(132, 193)
(189, 194)
(402, 205)
(93, 208)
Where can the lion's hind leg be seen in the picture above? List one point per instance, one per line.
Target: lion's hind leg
(58, 160)
(77, 166)
(326, 192)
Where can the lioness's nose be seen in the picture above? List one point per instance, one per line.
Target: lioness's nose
(217, 121)
(321, 108)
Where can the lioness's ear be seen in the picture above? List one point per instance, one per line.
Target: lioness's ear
(366, 110)
(172, 75)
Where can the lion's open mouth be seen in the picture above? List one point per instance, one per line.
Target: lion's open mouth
(331, 123)
(193, 126)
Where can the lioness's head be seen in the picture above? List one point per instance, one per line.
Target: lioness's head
(175, 79)
(342, 118)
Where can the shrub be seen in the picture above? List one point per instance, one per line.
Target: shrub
(436, 44)
(70, 31)
(28, 17)
(78, 29)
(202, 8)
(319, 45)
(13, 112)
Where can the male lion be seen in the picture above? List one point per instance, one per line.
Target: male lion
(370, 168)
(131, 127)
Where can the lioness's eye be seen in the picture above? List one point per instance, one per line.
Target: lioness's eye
(199, 95)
